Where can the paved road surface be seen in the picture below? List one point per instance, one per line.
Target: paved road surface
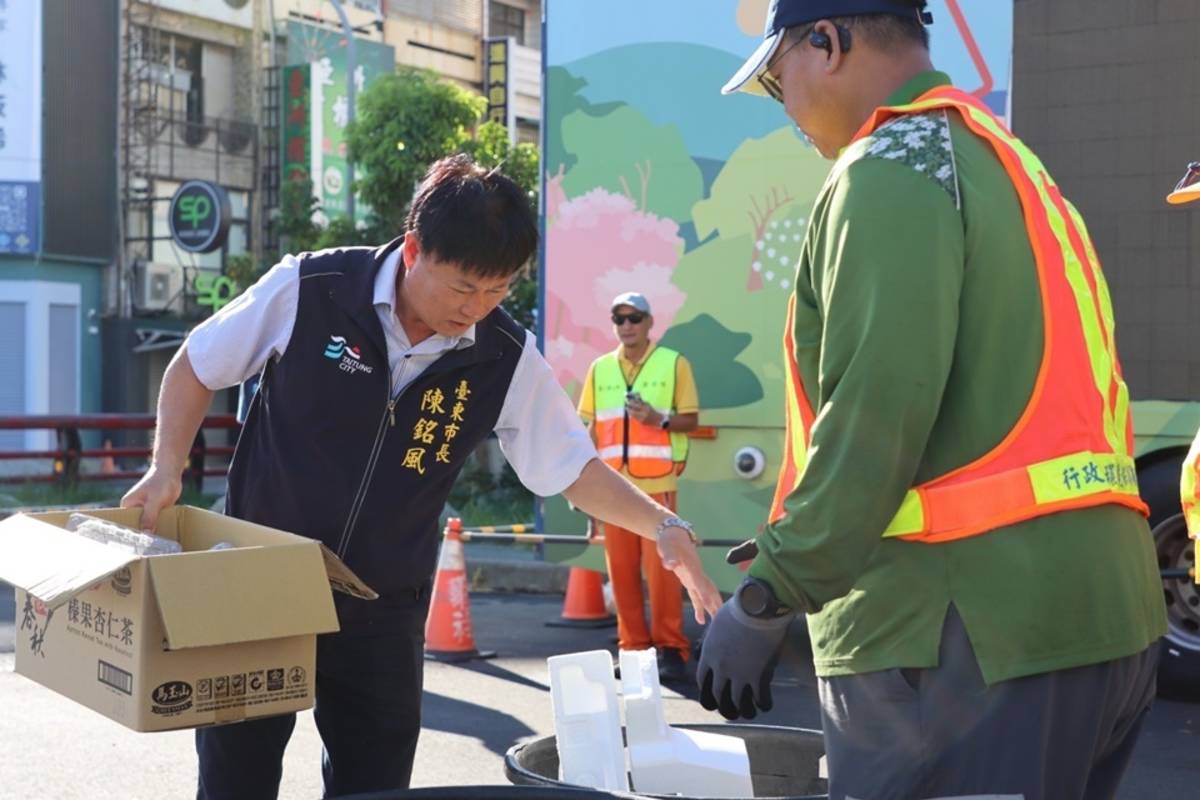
(52, 748)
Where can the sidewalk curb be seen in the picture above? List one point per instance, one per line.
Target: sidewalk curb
(502, 575)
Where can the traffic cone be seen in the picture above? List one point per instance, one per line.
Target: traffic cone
(583, 606)
(107, 465)
(448, 634)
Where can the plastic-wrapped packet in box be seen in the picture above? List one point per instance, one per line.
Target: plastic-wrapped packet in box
(113, 535)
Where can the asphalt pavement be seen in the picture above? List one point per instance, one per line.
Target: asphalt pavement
(472, 713)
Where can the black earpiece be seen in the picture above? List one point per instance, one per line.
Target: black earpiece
(821, 41)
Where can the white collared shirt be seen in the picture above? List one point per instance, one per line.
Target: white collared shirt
(539, 431)
(405, 361)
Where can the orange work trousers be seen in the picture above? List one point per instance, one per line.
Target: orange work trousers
(629, 556)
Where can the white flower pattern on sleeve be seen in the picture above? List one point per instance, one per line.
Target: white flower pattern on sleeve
(921, 141)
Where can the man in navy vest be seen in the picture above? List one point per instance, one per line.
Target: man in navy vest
(381, 370)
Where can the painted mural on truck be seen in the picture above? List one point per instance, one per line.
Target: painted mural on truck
(655, 182)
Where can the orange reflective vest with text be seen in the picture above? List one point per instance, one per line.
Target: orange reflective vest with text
(1071, 447)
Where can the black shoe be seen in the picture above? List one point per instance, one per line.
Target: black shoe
(671, 667)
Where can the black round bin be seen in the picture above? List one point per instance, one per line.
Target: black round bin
(783, 762)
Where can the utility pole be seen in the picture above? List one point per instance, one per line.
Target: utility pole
(350, 67)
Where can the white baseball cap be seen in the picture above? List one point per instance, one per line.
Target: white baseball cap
(634, 299)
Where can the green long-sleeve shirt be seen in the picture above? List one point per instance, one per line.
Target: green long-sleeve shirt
(918, 336)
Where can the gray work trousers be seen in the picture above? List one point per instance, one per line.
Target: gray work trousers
(913, 734)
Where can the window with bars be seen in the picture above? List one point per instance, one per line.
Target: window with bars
(506, 20)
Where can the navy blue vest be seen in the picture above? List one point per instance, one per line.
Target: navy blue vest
(328, 453)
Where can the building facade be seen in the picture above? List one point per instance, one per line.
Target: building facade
(57, 135)
(107, 108)
(1106, 92)
(199, 101)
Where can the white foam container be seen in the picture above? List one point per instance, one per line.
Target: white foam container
(587, 720)
(665, 760)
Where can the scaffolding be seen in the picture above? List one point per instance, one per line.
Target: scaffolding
(269, 175)
(166, 139)
(141, 126)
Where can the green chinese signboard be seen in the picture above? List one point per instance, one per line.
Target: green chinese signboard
(322, 52)
(296, 127)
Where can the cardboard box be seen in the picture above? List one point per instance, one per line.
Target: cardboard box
(172, 641)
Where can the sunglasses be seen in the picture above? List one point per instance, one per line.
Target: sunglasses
(635, 317)
(769, 82)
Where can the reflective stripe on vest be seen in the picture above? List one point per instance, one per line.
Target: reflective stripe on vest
(1189, 487)
(1071, 446)
(647, 451)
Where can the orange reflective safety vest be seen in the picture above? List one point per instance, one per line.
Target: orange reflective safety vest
(1071, 446)
(647, 451)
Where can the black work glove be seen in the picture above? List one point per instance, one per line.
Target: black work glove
(737, 661)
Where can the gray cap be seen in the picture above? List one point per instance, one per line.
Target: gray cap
(634, 299)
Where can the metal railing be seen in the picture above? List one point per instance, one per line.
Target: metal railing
(67, 458)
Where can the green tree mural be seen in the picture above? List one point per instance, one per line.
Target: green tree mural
(563, 96)
(769, 211)
(746, 334)
(720, 379)
(625, 153)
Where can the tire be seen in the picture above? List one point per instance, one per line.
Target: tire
(1158, 483)
(1179, 659)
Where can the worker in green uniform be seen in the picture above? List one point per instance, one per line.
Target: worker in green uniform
(958, 512)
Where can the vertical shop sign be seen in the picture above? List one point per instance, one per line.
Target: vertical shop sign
(20, 125)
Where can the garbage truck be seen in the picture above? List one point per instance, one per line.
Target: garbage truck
(654, 182)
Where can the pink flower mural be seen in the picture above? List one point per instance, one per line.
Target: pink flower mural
(610, 247)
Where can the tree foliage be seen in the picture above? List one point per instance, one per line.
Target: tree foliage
(490, 147)
(404, 122)
(300, 234)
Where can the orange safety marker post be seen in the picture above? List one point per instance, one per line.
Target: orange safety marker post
(583, 607)
(448, 634)
(107, 465)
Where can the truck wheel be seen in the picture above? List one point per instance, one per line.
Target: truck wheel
(1179, 660)
(1158, 483)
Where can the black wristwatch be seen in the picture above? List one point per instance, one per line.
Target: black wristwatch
(757, 598)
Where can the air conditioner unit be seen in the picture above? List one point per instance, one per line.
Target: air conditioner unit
(159, 287)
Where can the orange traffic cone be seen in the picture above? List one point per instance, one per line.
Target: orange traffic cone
(448, 635)
(583, 606)
(107, 465)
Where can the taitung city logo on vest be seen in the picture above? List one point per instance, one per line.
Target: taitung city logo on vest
(348, 356)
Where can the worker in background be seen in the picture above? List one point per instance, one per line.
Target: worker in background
(1188, 191)
(382, 370)
(958, 512)
(640, 401)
